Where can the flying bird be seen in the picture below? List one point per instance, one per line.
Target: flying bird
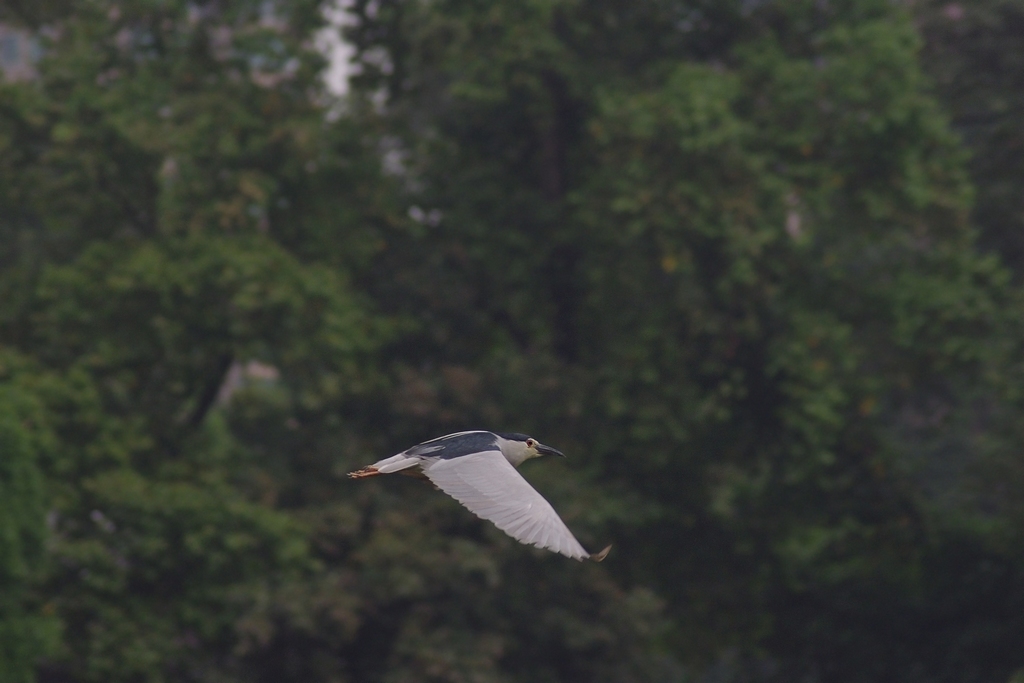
(478, 469)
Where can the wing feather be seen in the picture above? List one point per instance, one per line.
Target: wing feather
(488, 485)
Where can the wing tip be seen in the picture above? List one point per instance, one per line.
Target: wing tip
(597, 557)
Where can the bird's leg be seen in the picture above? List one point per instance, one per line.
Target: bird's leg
(371, 471)
(368, 471)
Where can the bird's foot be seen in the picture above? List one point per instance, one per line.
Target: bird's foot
(368, 471)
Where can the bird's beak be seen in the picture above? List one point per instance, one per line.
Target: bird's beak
(548, 450)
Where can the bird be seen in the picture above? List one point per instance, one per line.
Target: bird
(478, 469)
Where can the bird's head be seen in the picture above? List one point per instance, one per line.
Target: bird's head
(529, 446)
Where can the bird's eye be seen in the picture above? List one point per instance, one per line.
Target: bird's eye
(530, 443)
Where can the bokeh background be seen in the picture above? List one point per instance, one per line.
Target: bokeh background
(754, 265)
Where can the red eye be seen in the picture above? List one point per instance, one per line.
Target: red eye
(530, 443)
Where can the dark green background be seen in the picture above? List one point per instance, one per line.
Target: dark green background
(755, 266)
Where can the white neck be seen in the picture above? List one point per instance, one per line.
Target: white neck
(515, 452)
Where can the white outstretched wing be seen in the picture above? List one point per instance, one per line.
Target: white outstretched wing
(488, 485)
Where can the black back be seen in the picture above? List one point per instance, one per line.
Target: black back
(456, 446)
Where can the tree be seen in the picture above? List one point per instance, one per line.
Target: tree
(719, 253)
(723, 252)
(26, 632)
(142, 174)
(971, 52)
(185, 239)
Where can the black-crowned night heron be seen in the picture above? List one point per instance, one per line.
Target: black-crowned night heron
(478, 469)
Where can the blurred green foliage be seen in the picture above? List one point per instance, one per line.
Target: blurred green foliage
(972, 52)
(721, 253)
(27, 630)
